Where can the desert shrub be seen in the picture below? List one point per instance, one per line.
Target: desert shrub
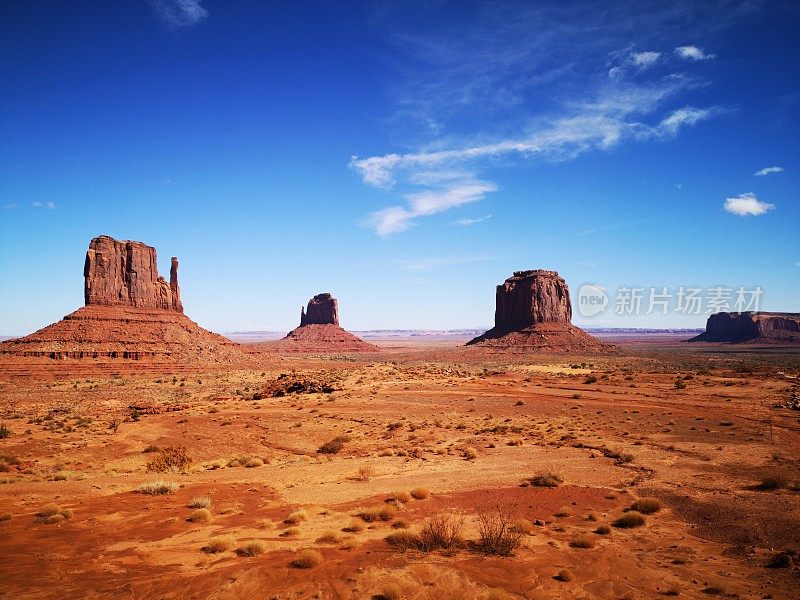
(335, 445)
(603, 530)
(400, 496)
(329, 537)
(150, 449)
(53, 513)
(219, 544)
(200, 502)
(562, 512)
(5, 431)
(679, 384)
(442, 530)
(158, 488)
(496, 532)
(5, 517)
(400, 524)
(420, 493)
(171, 458)
(201, 515)
(254, 462)
(377, 513)
(403, 540)
(290, 532)
(590, 379)
(546, 479)
(522, 526)
(296, 517)
(629, 520)
(251, 548)
(564, 575)
(355, 526)
(647, 506)
(365, 473)
(307, 559)
(470, 453)
(582, 541)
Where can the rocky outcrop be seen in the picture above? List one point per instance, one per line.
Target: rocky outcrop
(323, 309)
(131, 314)
(533, 312)
(125, 273)
(759, 327)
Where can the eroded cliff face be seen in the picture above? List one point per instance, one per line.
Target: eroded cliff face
(751, 327)
(125, 273)
(531, 297)
(323, 309)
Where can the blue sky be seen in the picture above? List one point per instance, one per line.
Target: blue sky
(406, 157)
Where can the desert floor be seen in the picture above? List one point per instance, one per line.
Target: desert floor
(469, 428)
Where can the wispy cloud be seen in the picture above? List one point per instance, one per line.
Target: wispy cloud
(767, 171)
(10, 206)
(468, 222)
(37, 204)
(684, 116)
(747, 205)
(429, 202)
(179, 14)
(693, 53)
(644, 60)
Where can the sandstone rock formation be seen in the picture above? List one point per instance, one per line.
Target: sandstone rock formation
(319, 331)
(323, 309)
(760, 327)
(131, 313)
(533, 312)
(125, 273)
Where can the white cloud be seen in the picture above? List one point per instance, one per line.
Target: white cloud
(179, 14)
(51, 205)
(683, 116)
(429, 202)
(767, 171)
(747, 205)
(10, 206)
(644, 60)
(467, 222)
(693, 53)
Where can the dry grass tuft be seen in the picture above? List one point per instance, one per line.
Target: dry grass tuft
(53, 513)
(400, 496)
(497, 534)
(251, 548)
(546, 479)
(365, 473)
(355, 526)
(603, 530)
(201, 515)
(470, 454)
(307, 559)
(378, 513)
(647, 506)
(389, 592)
(200, 502)
(296, 517)
(329, 537)
(630, 520)
(335, 445)
(582, 541)
(420, 493)
(158, 488)
(219, 544)
(254, 462)
(775, 480)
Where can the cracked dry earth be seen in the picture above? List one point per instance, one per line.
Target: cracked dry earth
(467, 433)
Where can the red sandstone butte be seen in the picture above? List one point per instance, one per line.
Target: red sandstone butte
(533, 313)
(752, 327)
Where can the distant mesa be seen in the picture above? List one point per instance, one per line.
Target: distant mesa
(319, 331)
(323, 309)
(533, 313)
(752, 327)
(131, 313)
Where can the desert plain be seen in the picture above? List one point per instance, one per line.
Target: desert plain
(421, 470)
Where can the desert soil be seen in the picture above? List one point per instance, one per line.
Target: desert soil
(472, 428)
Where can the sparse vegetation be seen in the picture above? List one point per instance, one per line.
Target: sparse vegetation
(582, 541)
(630, 520)
(158, 488)
(603, 530)
(201, 515)
(335, 445)
(564, 575)
(329, 537)
(296, 517)
(219, 544)
(420, 493)
(174, 459)
(497, 534)
(546, 479)
(53, 513)
(378, 513)
(5, 431)
(647, 506)
(307, 559)
(365, 473)
(200, 502)
(470, 453)
(251, 548)
(774, 480)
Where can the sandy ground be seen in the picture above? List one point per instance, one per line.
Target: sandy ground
(469, 427)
